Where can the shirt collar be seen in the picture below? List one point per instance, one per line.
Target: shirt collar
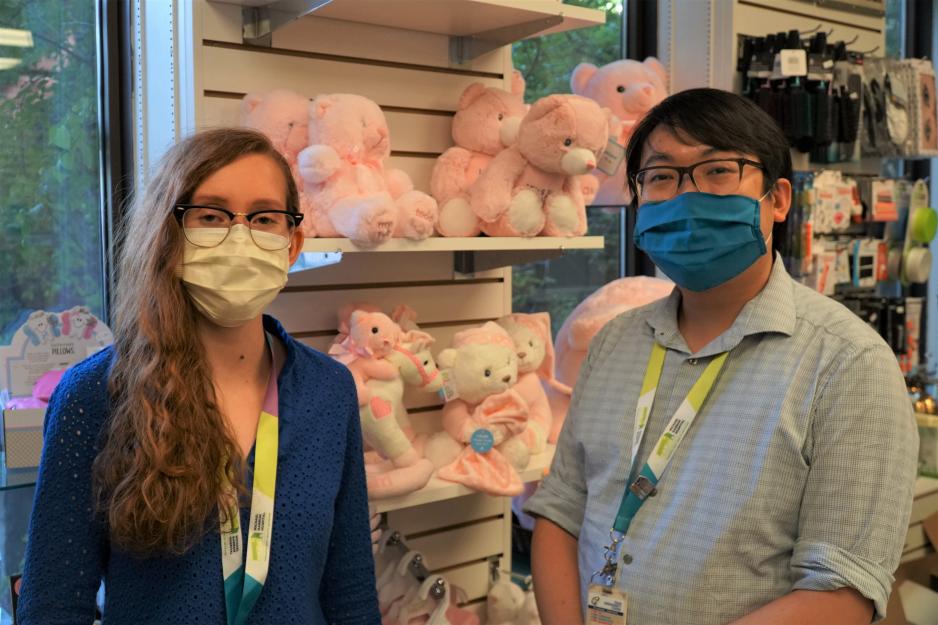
(771, 311)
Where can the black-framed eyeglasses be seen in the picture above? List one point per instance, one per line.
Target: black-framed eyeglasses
(720, 176)
(208, 226)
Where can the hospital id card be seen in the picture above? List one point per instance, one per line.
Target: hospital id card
(606, 606)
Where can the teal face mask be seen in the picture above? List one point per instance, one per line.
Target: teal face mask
(701, 240)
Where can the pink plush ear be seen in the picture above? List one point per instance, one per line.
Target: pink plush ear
(320, 106)
(544, 106)
(541, 324)
(581, 76)
(517, 83)
(655, 65)
(471, 93)
(248, 103)
(417, 339)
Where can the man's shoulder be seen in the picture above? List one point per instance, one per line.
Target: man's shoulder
(819, 314)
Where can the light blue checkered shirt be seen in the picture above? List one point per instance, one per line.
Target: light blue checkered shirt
(798, 472)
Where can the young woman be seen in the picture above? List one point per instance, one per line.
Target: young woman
(208, 467)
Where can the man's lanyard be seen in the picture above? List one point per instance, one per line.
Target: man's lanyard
(243, 583)
(645, 485)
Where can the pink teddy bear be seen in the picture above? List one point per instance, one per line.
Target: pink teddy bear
(353, 195)
(371, 337)
(629, 89)
(584, 323)
(283, 116)
(486, 122)
(534, 187)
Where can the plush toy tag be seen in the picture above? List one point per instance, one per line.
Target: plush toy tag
(606, 606)
(793, 62)
(482, 440)
(611, 158)
(448, 392)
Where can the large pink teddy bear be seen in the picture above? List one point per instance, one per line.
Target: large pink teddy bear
(353, 195)
(486, 122)
(629, 89)
(283, 116)
(534, 187)
(584, 323)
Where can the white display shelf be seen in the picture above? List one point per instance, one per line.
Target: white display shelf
(440, 490)
(457, 244)
(456, 18)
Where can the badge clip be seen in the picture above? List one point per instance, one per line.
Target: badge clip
(643, 488)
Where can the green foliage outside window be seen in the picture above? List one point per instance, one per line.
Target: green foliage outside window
(50, 203)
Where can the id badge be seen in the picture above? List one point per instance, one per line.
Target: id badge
(606, 606)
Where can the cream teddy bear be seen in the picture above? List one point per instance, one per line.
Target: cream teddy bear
(481, 444)
(629, 89)
(343, 171)
(283, 116)
(486, 122)
(535, 187)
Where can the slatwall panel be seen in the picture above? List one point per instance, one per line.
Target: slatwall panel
(699, 57)
(408, 74)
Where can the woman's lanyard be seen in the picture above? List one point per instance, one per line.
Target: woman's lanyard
(243, 583)
(645, 485)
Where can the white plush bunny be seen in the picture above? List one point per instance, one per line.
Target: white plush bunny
(504, 603)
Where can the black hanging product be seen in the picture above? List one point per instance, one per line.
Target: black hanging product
(823, 115)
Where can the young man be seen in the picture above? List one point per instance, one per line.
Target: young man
(773, 441)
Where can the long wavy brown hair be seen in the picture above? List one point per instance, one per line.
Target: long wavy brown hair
(166, 450)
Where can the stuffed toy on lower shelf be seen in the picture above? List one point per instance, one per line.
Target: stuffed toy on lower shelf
(343, 172)
(481, 445)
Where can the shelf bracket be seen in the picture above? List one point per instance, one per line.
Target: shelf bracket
(469, 263)
(259, 23)
(463, 48)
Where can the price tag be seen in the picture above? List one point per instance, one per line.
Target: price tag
(606, 606)
(793, 63)
(611, 158)
(448, 391)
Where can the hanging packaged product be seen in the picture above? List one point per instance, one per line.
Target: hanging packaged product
(884, 206)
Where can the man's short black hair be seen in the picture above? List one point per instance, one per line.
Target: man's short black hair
(719, 119)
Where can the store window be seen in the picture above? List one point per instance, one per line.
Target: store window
(50, 197)
(546, 63)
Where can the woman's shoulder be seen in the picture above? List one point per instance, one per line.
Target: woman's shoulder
(88, 378)
(320, 369)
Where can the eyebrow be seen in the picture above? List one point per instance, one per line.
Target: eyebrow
(660, 157)
(259, 204)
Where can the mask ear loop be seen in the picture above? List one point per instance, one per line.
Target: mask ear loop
(765, 195)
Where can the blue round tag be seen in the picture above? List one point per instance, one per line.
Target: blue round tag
(482, 440)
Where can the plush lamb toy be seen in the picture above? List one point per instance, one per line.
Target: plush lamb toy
(481, 444)
(585, 322)
(353, 195)
(534, 187)
(486, 122)
(283, 116)
(535, 350)
(629, 89)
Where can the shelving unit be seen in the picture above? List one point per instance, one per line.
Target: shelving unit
(441, 490)
(475, 27)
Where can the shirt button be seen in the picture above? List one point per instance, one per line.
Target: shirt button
(627, 559)
(692, 361)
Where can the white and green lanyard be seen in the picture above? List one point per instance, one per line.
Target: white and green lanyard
(645, 485)
(244, 582)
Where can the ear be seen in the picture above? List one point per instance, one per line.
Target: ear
(319, 107)
(544, 106)
(470, 94)
(655, 65)
(542, 320)
(780, 195)
(416, 336)
(517, 83)
(250, 102)
(581, 76)
(296, 244)
(447, 358)
(355, 318)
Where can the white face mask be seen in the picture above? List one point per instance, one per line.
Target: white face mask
(233, 282)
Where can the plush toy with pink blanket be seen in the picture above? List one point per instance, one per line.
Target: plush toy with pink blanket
(585, 322)
(481, 445)
(534, 347)
(486, 122)
(283, 116)
(629, 89)
(534, 186)
(343, 170)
